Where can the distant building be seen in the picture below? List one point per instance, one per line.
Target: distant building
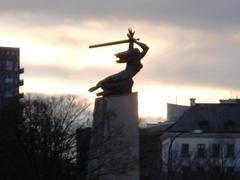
(174, 111)
(205, 138)
(10, 73)
(229, 101)
(201, 139)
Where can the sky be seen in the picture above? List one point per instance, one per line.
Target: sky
(194, 47)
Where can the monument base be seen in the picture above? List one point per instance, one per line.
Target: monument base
(114, 147)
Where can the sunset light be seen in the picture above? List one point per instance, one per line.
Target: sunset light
(185, 59)
(119, 90)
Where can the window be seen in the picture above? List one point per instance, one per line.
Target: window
(216, 150)
(2, 64)
(165, 149)
(9, 78)
(229, 125)
(230, 150)
(185, 150)
(8, 94)
(8, 91)
(200, 150)
(204, 125)
(9, 65)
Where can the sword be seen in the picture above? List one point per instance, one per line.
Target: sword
(112, 43)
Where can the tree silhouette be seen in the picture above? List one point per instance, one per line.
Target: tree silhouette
(11, 151)
(48, 134)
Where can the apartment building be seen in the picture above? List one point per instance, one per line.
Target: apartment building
(10, 73)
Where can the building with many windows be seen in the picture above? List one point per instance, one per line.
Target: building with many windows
(205, 138)
(10, 73)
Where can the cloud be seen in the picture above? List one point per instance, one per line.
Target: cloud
(205, 59)
(191, 42)
(187, 61)
(85, 76)
(177, 56)
(200, 14)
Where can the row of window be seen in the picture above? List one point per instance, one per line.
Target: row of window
(8, 52)
(216, 150)
(8, 88)
(9, 78)
(214, 169)
(228, 125)
(8, 65)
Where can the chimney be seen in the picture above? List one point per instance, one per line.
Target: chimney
(192, 101)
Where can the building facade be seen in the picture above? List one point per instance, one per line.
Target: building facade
(10, 73)
(206, 138)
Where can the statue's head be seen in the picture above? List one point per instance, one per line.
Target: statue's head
(129, 54)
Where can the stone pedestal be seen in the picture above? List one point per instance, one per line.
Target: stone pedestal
(114, 147)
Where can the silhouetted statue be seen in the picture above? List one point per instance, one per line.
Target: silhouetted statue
(121, 83)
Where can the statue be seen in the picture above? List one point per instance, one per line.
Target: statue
(121, 83)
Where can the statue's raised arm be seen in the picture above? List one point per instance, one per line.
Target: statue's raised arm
(121, 83)
(144, 48)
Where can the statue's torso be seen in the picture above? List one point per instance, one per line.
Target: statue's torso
(133, 66)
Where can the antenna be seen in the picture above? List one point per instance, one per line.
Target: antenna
(176, 89)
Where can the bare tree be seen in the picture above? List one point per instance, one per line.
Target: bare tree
(222, 164)
(210, 166)
(48, 133)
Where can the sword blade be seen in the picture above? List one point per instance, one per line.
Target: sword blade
(109, 43)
